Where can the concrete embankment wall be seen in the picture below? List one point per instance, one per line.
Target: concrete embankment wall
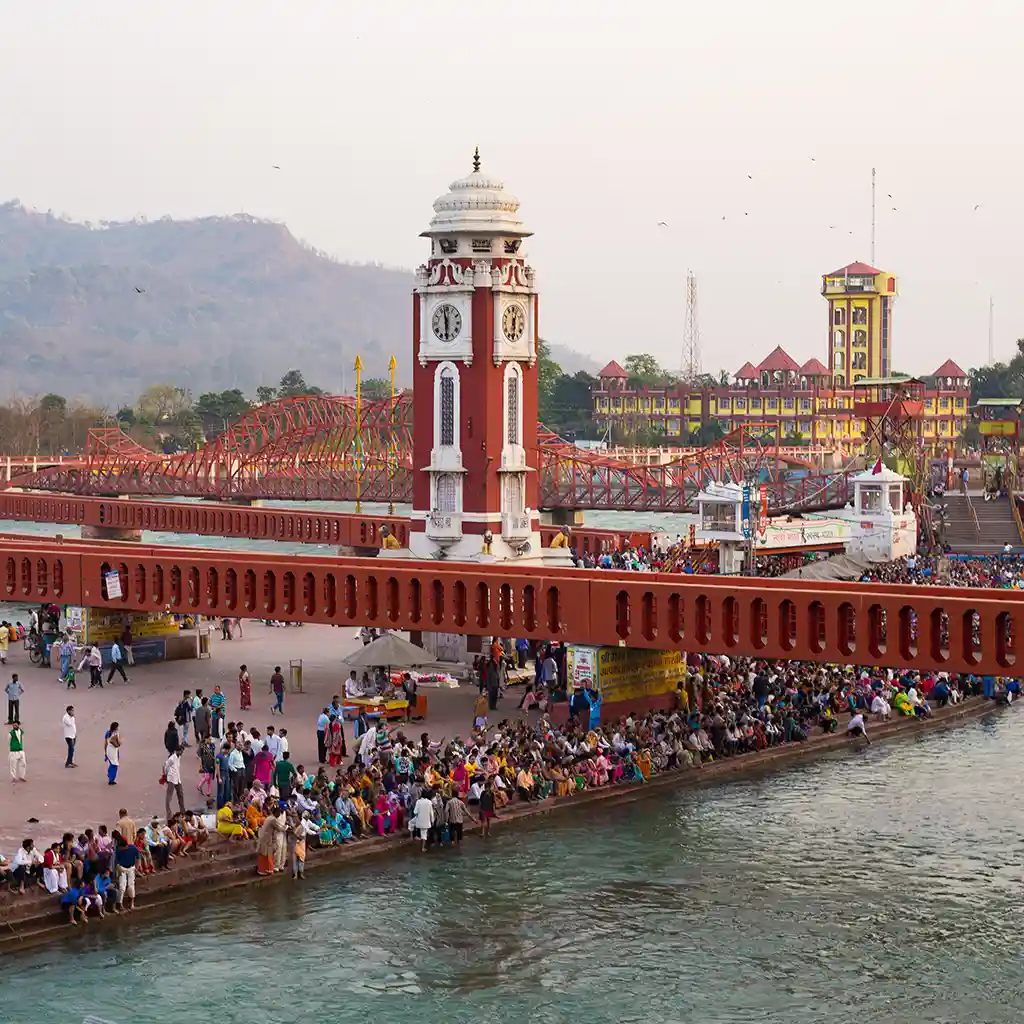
(35, 919)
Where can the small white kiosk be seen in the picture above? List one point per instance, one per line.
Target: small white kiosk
(875, 527)
(881, 528)
(720, 508)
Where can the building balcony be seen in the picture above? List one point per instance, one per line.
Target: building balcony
(443, 526)
(848, 285)
(515, 526)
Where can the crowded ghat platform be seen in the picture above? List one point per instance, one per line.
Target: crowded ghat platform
(233, 789)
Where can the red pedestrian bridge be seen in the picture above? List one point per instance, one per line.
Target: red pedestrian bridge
(904, 627)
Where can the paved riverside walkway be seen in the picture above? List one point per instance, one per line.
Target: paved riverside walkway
(71, 799)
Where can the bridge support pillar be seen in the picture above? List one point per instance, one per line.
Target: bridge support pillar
(110, 533)
(562, 516)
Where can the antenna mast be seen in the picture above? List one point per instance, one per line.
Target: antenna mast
(691, 337)
(991, 331)
(872, 216)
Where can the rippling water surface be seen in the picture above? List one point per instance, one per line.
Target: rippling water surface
(881, 887)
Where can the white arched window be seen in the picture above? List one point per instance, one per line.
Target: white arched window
(840, 317)
(513, 404)
(446, 498)
(446, 406)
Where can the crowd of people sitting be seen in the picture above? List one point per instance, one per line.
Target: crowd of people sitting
(96, 870)
(397, 784)
(1004, 571)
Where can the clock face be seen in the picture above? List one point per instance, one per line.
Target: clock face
(446, 322)
(513, 322)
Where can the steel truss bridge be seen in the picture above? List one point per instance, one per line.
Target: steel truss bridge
(322, 447)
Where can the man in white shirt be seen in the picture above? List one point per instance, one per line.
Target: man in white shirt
(272, 743)
(855, 727)
(27, 858)
(172, 775)
(236, 768)
(70, 735)
(352, 687)
(880, 707)
(422, 820)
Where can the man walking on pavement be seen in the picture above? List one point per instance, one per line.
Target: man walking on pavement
(126, 643)
(14, 690)
(116, 662)
(277, 689)
(183, 715)
(70, 735)
(172, 777)
(16, 757)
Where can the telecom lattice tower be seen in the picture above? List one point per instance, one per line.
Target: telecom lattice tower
(691, 368)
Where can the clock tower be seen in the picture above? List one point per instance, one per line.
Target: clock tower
(474, 324)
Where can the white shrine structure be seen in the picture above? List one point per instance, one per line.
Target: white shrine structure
(878, 526)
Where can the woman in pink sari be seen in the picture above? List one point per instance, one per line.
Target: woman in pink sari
(244, 688)
(262, 766)
(461, 779)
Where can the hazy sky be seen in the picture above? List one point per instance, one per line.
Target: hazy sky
(603, 117)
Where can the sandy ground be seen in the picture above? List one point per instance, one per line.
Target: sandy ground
(74, 798)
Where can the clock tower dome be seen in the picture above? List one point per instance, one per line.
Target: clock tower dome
(474, 323)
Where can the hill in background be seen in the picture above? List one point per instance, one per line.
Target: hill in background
(102, 312)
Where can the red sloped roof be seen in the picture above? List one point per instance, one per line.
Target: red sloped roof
(747, 370)
(613, 370)
(949, 369)
(779, 359)
(813, 367)
(857, 269)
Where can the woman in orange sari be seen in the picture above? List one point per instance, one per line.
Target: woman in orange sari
(254, 817)
(267, 843)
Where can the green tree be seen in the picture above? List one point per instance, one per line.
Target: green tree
(219, 409)
(708, 432)
(293, 384)
(265, 394)
(548, 374)
(645, 371)
(376, 389)
(162, 403)
(572, 405)
(164, 417)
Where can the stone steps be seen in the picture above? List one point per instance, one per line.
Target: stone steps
(233, 865)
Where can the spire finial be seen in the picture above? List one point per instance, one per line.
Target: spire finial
(476, 159)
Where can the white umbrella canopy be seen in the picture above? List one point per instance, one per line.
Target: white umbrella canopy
(390, 651)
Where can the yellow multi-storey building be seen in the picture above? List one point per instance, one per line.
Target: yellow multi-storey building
(860, 305)
(810, 402)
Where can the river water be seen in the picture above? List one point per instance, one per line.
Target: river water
(885, 886)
